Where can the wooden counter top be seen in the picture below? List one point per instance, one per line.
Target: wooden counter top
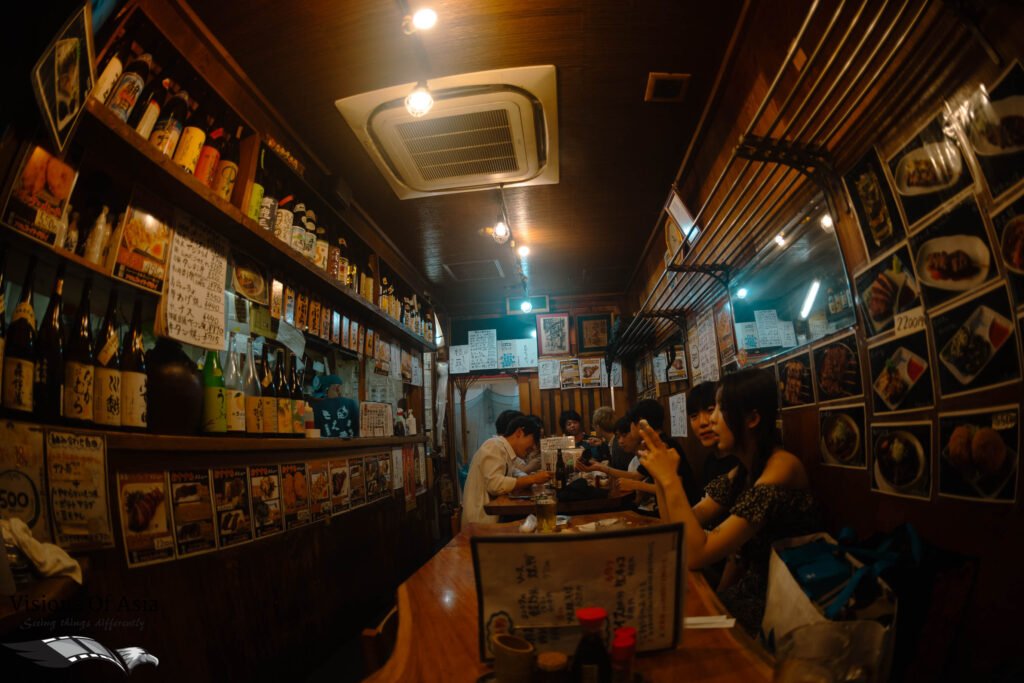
(508, 506)
(437, 627)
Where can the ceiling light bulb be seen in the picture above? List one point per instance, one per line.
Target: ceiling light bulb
(419, 101)
(533, 333)
(526, 306)
(741, 293)
(523, 251)
(424, 19)
(500, 232)
(826, 222)
(780, 240)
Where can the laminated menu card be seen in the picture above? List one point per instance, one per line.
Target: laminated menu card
(295, 494)
(320, 489)
(357, 483)
(523, 583)
(77, 475)
(22, 492)
(145, 517)
(192, 511)
(265, 488)
(339, 486)
(38, 202)
(142, 243)
(231, 501)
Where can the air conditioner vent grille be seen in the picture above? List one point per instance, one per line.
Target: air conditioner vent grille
(461, 145)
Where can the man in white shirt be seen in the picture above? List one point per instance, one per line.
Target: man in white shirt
(490, 473)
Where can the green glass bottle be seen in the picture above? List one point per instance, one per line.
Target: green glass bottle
(215, 398)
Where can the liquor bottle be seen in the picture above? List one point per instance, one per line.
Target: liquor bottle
(134, 381)
(253, 394)
(150, 104)
(259, 183)
(71, 236)
(284, 395)
(410, 424)
(227, 168)
(49, 379)
(560, 473)
(298, 400)
(167, 130)
(283, 219)
(209, 157)
(235, 387)
(268, 394)
(193, 137)
(322, 248)
(106, 409)
(267, 217)
(591, 661)
(298, 226)
(96, 242)
(111, 73)
(129, 86)
(79, 364)
(215, 402)
(20, 349)
(334, 255)
(309, 238)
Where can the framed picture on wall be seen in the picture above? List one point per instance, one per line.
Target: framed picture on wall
(553, 334)
(993, 132)
(593, 332)
(877, 213)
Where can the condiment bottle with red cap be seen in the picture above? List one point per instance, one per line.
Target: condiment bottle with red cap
(623, 653)
(591, 663)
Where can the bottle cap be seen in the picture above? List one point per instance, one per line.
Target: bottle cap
(552, 661)
(591, 616)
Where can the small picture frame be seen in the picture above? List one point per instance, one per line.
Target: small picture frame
(553, 334)
(593, 332)
(64, 76)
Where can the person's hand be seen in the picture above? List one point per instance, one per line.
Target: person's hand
(595, 441)
(540, 477)
(627, 484)
(660, 460)
(585, 467)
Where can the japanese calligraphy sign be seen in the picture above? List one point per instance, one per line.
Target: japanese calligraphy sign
(77, 465)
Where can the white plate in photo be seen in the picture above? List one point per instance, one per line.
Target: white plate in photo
(930, 168)
(907, 368)
(840, 438)
(974, 344)
(971, 245)
(997, 127)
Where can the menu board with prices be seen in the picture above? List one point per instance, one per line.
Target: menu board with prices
(145, 517)
(483, 349)
(192, 311)
(77, 470)
(677, 414)
(375, 419)
(707, 341)
(768, 335)
(22, 491)
(547, 374)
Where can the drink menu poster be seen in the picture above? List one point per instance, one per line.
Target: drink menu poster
(145, 517)
(231, 501)
(524, 583)
(295, 494)
(77, 469)
(22, 492)
(193, 307)
(192, 511)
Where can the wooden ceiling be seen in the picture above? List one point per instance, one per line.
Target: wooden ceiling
(619, 155)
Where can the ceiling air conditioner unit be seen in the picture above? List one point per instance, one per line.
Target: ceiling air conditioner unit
(485, 129)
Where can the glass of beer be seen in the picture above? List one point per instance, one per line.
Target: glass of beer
(547, 505)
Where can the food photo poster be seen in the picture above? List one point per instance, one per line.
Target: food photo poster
(976, 344)
(994, 128)
(795, 380)
(901, 459)
(900, 374)
(979, 453)
(888, 291)
(1009, 232)
(842, 435)
(928, 171)
(877, 214)
(837, 369)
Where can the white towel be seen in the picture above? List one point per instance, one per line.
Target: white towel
(50, 560)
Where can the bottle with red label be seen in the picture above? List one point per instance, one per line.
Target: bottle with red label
(146, 112)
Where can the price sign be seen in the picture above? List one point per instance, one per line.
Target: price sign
(909, 321)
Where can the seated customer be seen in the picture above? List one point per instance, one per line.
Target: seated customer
(531, 461)
(700, 404)
(490, 472)
(572, 425)
(619, 456)
(597, 446)
(763, 499)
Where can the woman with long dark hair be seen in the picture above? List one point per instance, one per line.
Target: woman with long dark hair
(761, 500)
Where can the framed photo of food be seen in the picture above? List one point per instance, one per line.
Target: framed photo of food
(837, 369)
(879, 218)
(843, 436)
(953, 255)
(247, 279)
(795, 380)
(553, 334)
(928, 171)
(1009, 230)
(976, 344)
(994, 128)
(593, 332)
(901, 459)
(979, 454)
(37, 205)
(900, 374)
(887, 291)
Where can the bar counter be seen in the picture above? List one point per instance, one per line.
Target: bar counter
(437, 625)
(519, 506)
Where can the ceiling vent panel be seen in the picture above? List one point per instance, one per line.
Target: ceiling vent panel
(468, 271)
(486, 129)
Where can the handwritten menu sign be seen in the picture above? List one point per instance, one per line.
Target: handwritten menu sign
(660, 364)
(145, 517)
(192, 512)
(193, 307)
(507, 354)
(525, 584)
(677, 413)
(526, 352)
(375, 419)
(22, 494)
(768, 328)
(787, 333)
(696, 366)
(231, 500)
(459, 360)
(483, 349)
(707, 340)
(77, 468)
(417, 370)
(547, 372)
(746, 335)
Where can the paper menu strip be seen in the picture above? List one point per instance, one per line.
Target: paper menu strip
(192, 310)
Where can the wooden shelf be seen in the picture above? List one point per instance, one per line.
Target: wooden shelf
(152, 169)
(125, 441)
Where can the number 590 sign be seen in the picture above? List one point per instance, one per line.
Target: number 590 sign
(18, 497)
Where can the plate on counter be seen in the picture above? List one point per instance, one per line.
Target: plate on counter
(998, 127)
(901, 372)
(971, 348)
(956, 262)
(933, 167)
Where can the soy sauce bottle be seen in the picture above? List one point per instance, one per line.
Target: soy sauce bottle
(591, 663)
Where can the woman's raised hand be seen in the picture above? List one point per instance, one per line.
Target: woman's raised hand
(660, 460)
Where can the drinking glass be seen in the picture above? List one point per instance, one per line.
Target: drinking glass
(547, 505)
(814, 653)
